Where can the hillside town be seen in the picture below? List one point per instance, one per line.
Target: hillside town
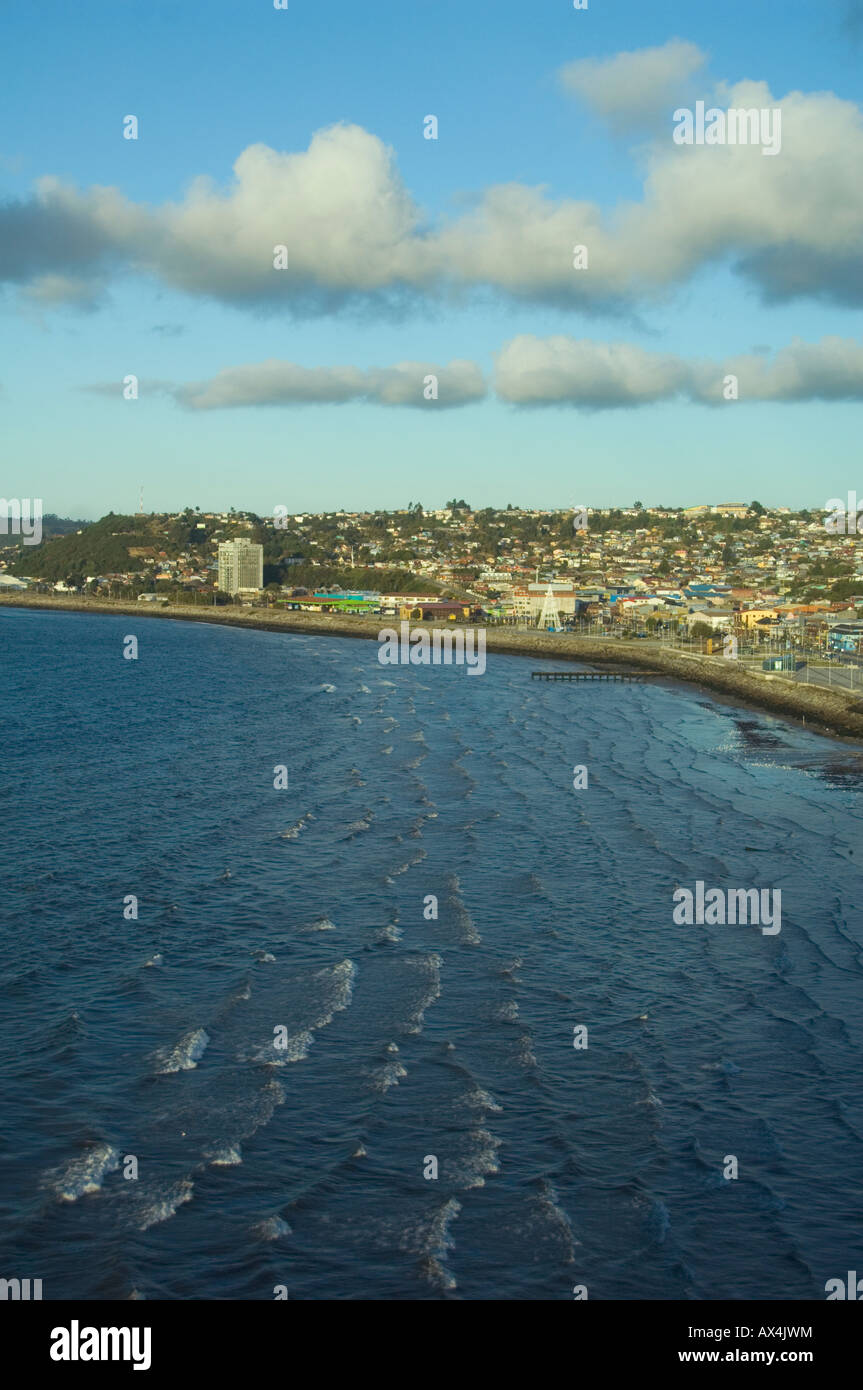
(767, 576)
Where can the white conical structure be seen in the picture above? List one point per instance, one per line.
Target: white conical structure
(549, 617)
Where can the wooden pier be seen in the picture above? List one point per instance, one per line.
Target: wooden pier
(591, 675)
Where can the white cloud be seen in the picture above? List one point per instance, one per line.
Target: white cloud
(790, 225)
(535, 372)
(634, 88)
(276, 383)
(560, 370)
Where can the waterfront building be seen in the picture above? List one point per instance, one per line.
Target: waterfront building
(241, 566)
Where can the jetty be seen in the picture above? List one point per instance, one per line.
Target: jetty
(591, 675)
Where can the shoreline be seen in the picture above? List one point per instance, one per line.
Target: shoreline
(835, 713)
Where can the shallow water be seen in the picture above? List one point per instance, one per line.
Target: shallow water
(300, 916)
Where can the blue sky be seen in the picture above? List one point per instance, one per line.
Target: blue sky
(96, 288)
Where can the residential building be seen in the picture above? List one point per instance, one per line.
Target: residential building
(241, 566)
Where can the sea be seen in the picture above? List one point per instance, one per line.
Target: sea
(322, 979)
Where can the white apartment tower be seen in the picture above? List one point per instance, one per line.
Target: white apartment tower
(241, 566)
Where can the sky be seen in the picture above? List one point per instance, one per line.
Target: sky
(430, 335)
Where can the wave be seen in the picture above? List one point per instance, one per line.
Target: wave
(319, 924)
(338, 981)
(272, 1229)
(388, 933)
(556, 1218)
(185, 1055)
(294, 831)
(432, 1240)
(86, 1173)
(471, 1168)
(429, 966)
(358, 827)
(479, 1099)
(227, 1157)
(391, 1073)
(164, 1207)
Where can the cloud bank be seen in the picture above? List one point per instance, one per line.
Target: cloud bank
(533, 372)
(791, 226)
(596, 376)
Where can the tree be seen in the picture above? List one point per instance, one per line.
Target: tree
(757, 508)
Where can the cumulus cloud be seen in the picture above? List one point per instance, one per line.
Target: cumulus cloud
(535, 372)
(634, 88)
(560, 370)
(791, 225)
(275, 383)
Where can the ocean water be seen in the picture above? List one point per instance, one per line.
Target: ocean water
(156, 1143)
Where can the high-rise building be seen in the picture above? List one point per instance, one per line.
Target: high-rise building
(241, 566)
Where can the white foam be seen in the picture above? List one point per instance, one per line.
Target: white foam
(390, 1074)
(294, 831)
(272, 1228)
(320, 924)
(430, 965)
(164, 1207)
(186, 1054)
(435, 1242)
(227, 1157)
(479, 1099)
(389, 933)
(86, 1173)
(549, 1204)
(471, 1169)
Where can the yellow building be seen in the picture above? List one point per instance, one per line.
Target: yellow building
(754, 615)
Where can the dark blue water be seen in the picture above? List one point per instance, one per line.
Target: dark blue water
(407, 1038)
